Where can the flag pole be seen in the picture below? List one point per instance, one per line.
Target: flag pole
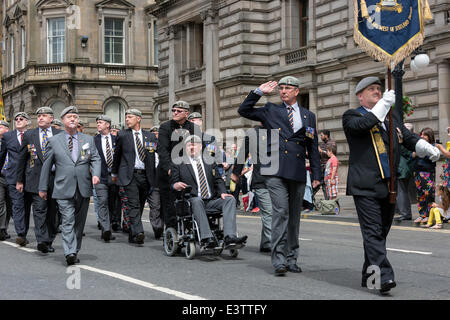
(391, 184)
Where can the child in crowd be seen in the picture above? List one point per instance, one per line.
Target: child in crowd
(439, 211)
(331, 172)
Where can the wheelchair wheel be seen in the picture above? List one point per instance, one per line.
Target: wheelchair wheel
(234, 253)
(218, 252)
(190, 250)
(170, 242)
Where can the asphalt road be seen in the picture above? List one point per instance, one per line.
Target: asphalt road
(331, 257)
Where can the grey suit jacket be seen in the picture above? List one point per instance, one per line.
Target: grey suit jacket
(68, 173)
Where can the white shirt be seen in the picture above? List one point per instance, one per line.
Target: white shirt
(18, 136)
(138, 164)
(297, 117)
(194, 166)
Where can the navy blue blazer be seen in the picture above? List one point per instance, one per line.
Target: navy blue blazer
(10, 146)
(292, 145)
(98, 143)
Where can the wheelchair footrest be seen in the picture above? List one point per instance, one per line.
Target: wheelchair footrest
(232, 246)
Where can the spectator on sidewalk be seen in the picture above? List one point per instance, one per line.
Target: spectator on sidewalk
(326, 141)
(446, 166)
(439, 210)
(405, 175)
(425, 178)
(331, 172)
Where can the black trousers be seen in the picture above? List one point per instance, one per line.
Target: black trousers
(137, 192)
(167, 199)
(375, 218)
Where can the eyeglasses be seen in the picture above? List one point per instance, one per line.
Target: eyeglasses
(177, 110)
(19, 119)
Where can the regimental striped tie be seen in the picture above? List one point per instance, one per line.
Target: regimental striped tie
(139, 147)
(44, 143)
(291, 116)
(70, 144)
(202, 178)
(109, 158)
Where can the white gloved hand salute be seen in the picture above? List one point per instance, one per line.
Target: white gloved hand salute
(381, 109)
(424, 149)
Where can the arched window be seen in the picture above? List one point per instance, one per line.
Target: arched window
(115, 109)
(57, 106)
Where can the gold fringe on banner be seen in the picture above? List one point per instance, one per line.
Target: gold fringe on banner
(379, 54)
(427, 11)
(364, 11)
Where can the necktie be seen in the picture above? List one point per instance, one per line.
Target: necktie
(5, 165)
(109, 158)
(44, 143)
(291, 116)
(70, 144)
(202, 178)
(139, 147)
(21, 138)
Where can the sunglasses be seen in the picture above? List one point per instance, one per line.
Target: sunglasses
(20, 119)
(177, 110)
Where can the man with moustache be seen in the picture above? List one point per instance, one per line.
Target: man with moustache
(32, 156)
(21, 201)
(77, 169)
(134, 169)
(107, 191)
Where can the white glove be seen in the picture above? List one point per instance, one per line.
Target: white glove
(381, 109)
(424, 149)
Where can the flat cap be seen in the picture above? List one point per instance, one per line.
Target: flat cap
(290, 81)
(181, 104)
(4, 123)
(136, 112)
(115, 126)
(154, 129)
(21, 114)
(364, 83)
(57, 122)
(44, 110)
(69, 109)
(103, 117)
(195, 115)
(193, 139)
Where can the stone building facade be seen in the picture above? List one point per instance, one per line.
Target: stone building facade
(213, 52)
(97, 55)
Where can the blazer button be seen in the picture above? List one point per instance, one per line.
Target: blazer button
(286, 140)
(298, 142)
(285, 152)
(298, 155)
(279, 129)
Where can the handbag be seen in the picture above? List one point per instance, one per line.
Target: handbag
(328, 207)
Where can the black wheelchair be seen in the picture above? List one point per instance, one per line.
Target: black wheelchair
(187, 233)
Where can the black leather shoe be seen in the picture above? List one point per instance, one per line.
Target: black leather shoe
(280, 271)
(42, 247)
(387, 286)
(140, 238)
(209, 243)
(2, 235)
(265, 250)
(106, 236)
(294, 268)
(402, 218)
(71, 259)
(50, 248)
(22, 241)
(158, 233)
(235, 240)
(99, 226)
(116, 227)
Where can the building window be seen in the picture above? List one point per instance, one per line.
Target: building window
(154, 47)
(23, 47)
(303, 100)
(57, 107)
(114, 41)
(12, 55)
(156, 116)
(192, 46)
(115, 109)
(303, 22)
(56, 42)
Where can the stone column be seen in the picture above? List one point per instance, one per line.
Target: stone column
(353, 99)
(172, 32)
(211, 58)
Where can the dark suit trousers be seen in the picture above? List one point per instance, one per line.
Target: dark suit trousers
(167, 199)
(137, 192)
(21, 208)
(108, 210)
(5, 205)
(375, 218)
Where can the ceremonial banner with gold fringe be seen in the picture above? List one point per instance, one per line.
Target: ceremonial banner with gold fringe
(390, 30)
(2, 107)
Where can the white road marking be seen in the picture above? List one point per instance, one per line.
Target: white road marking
(141, 283)
(119, 276)
(409, 251)
(302, 239)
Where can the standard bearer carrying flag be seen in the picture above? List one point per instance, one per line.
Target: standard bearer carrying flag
(390, 30)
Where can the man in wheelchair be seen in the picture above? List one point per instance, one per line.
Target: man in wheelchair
(208, 193)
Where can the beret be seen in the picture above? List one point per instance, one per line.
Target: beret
(4, 123)
(181, 104)
(195, 115)
(154, 128)
(69, 109)
(193, 139)
(44, 110)
(21, 114)
(115, 126)
(103, 117)
(364, 83)
(57, 122)
(289, 80)
(135, 112)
